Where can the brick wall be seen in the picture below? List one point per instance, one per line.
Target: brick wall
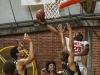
(47, 47)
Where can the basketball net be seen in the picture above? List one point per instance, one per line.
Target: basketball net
(51, 9)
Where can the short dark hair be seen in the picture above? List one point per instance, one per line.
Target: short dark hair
(81, 36)
(64, 55)
(78, 36)
(13, 52)
(48, 63)
(8, 68)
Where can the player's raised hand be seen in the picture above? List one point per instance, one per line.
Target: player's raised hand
(43, 71)
(27, 38)
(68, 26)
(60, 29)
(19, 43)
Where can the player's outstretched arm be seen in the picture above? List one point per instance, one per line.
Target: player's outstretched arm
(52, 29)
(71, 46)
(30, 58)
(60, 32)
(48, 26)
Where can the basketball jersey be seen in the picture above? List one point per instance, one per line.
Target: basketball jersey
(78, 47)
(25, 70)
(67, 71)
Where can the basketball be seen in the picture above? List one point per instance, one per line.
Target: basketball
(40, 15)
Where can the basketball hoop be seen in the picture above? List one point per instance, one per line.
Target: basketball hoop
(51, 9)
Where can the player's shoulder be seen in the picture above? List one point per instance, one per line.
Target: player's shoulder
(20, 61)
(85, 42)
(66, 38)
(19, 64)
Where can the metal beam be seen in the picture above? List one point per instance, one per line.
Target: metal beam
(36, 28)
(27, 26)
(88, 37)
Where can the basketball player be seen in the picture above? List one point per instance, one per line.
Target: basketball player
(8, 68)
(69, 66)
(50, 68)
(81, 49)
(18, 54)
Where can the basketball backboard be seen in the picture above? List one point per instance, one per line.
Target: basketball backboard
(36, 2)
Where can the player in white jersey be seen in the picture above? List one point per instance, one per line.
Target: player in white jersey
(81, 48)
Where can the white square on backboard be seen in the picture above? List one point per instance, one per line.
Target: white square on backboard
(36, 2)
